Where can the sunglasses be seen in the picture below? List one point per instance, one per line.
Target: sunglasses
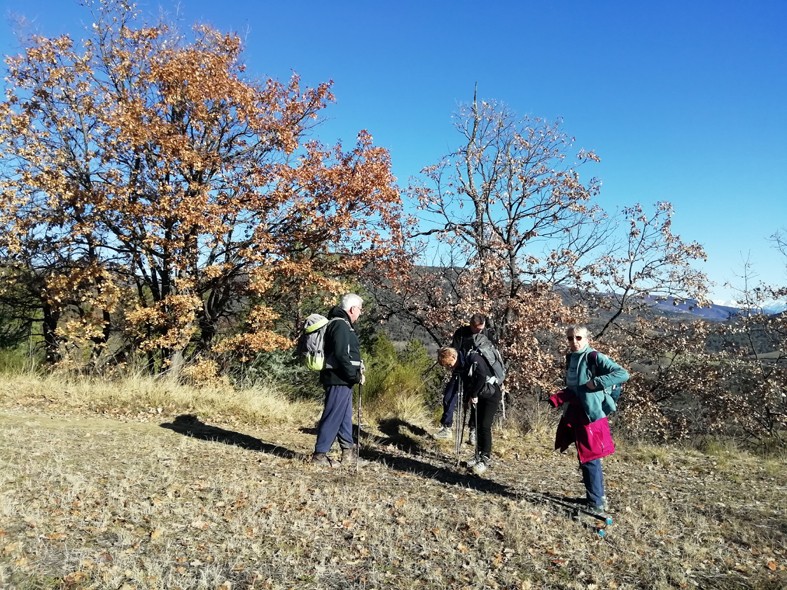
(570, 338)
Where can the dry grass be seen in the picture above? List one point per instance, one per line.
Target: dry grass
(114, 486)
(139, 397)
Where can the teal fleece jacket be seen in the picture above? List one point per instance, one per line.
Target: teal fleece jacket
(598, 403)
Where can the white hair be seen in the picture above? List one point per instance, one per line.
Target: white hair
(578, 328)
(351, 300)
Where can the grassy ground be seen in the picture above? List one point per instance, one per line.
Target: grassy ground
(146, 485)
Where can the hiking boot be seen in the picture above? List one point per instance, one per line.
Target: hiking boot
(480, 467)
(603, 507)
(444, 433)
(349, 456)
(471, 437)
(479, 459)
(596, 510)
(322, 460)
(479, 464)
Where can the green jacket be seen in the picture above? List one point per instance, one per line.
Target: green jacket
(597, 403)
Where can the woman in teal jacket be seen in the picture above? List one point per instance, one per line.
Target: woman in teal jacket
(590, 380)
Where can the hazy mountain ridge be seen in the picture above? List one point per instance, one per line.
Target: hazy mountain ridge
(714, 313)
(401, 328)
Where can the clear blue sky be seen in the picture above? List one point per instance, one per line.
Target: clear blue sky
(684, 101)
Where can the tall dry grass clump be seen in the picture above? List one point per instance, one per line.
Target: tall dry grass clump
(137, 395)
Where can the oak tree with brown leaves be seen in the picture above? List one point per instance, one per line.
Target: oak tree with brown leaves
(152, 187)
(517, 235)
(509, 221)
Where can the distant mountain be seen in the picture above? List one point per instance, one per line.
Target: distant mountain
(775, 308)
(713, 313)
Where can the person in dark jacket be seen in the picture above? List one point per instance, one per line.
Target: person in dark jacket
(343, 369)
(463, 342)
(482, 391)
(590, 377)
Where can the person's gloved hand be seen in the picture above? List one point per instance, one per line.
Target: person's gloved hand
(549, 400)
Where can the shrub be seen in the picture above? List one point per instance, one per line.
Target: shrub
(398, 384)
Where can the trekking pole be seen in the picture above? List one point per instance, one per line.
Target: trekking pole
(358, 441)
(475, 414)
(460, 418)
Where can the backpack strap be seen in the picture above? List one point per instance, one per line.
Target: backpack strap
(593, 362)
(345, 320)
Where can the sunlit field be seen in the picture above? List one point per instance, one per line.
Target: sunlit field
(145, 485)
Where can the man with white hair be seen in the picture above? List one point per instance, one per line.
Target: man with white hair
(343, 369)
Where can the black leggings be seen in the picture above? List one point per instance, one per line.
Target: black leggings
(485, 413)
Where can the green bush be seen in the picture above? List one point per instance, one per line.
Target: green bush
(18, 359)
(280, 370)
(398, 384)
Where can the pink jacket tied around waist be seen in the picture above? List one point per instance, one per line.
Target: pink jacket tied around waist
(592, 439)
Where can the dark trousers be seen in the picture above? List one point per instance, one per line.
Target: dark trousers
(593, 478)
(450, 396)
(486, 410)
(336, 420)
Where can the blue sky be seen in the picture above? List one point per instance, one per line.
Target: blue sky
(684, 101)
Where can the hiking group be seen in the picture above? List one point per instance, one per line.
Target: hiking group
(473, 393)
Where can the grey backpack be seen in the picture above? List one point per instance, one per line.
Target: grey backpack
(483, 346)
(311, 342)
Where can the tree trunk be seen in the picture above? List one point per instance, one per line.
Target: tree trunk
(176, 362)
(49, 326)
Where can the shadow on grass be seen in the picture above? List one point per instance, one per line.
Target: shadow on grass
(442, 473)
(402, 436)
(572, 508)
(405, 455)
(190, 425)
(399, 450)
(409, 454)
(399, 434)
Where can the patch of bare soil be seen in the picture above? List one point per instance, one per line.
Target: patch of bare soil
(174, 502)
